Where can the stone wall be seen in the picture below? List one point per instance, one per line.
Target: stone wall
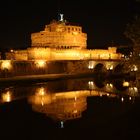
(40, 53)
(9, 68)
(78, 67)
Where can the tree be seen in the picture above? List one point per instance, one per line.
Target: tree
(132, 32)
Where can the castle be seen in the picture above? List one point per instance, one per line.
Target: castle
(60, 48)
(60, 40)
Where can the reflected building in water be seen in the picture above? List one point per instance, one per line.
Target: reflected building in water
(63, 106)
(69, 102)
(60, 106)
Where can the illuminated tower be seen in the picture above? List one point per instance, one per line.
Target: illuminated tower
(60, 35)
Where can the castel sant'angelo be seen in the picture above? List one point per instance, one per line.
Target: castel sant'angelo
(60, 48)
(60, 40)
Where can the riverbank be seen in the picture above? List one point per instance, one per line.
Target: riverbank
(41, 78)
(51, 77)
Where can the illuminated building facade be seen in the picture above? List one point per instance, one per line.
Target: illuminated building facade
(61, 40)
(60, 48)
(60, 35)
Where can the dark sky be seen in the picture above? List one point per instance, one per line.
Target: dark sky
(103, 20)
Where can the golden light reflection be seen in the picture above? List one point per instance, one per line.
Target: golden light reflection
(40, 91)
(101, 94)
(7, 97)
(122, 99)
(62, 124)
(134, 68)
(109, 86)
(91, 84)
(133, 89)
(63, 105)
(125, 84)
(11, 50)
(41, 97)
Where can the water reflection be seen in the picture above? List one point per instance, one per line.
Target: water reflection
(67, 99)
(61, 105)
(6, 95)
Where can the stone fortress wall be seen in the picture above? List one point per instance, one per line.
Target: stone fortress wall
(10, 68)
(64, 54)
(60, 48)
(61, 41)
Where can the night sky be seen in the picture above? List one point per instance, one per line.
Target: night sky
(104, 21)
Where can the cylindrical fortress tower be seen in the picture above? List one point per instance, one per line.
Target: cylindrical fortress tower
(60, 35)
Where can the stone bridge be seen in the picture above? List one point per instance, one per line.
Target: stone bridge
(105, 64)
(36, 67)
(98, 65)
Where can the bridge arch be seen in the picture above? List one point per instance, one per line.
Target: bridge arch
(105, 66)
(99, 68)
(99, 82)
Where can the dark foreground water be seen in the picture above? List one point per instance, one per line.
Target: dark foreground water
(83, 108)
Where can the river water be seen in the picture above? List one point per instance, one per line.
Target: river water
(89, 108)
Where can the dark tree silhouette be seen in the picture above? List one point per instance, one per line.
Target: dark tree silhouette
(133, 33)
